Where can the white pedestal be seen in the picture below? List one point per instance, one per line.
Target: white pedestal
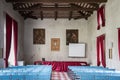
(1, 63)
(20, 63)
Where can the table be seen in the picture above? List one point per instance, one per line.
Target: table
(61, 66)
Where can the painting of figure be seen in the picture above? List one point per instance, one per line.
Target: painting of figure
(71, 36)
(38, 36)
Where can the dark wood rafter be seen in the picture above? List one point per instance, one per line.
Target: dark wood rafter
(79, 17)
(41, 14)
(33, 17)
(28, 15)
(81, 13)
(70, 15)
(89, 12)
(57, 1)
(16, 5)
(56, 12)
(94, 5)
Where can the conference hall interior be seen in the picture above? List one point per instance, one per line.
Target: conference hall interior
(59, 40)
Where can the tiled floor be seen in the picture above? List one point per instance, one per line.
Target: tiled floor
(60, 76)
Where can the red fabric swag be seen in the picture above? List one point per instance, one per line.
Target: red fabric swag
(102, 13)
(101, 16)
(98, 20)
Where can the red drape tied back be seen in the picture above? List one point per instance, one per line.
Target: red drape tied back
(119, 42)
(8, 37)
(98, 51)
(10, 23)
(101, 50)
(15, 27)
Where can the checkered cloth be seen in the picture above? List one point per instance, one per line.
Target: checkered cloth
(60, 76)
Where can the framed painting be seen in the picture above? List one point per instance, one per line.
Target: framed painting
(110, 53)
(55, 44)
(38, 36)
(71, 36)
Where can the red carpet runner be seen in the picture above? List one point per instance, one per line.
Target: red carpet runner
(60, 76)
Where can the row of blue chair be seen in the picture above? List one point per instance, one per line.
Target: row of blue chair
(30, 72)
(92, 73)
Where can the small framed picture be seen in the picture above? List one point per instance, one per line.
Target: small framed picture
(55, 44)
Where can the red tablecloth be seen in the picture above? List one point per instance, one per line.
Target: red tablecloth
(61, 65)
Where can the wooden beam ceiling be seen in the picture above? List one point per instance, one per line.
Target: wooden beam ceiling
(57, 1)
(71, 9)
(55, 9)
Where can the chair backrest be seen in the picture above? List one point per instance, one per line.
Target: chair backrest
(43, 59)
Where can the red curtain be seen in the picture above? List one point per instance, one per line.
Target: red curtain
(98, 20)
(102, 12)
(98, 52)
(15, 28)
(119, 42)
(101, 16)
(101, 50)
(8, 37)
(102, 40)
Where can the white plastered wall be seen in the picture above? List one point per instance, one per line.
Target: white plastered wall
(53, 29)
(112, 15)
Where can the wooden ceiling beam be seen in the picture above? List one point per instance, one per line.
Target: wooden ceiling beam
(79, 17)
(41, 14)
(94, 4)
(89, 12)
(81, 13)
(38, 16)
(28, 15)
(56, 13)
(70, 15)
(56, 9)
(33, 17)
(57, 1)
(18, 4)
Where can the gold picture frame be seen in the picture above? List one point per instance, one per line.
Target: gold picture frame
(71, 36)
(55, 44)
(38, 36)
(110, 53)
